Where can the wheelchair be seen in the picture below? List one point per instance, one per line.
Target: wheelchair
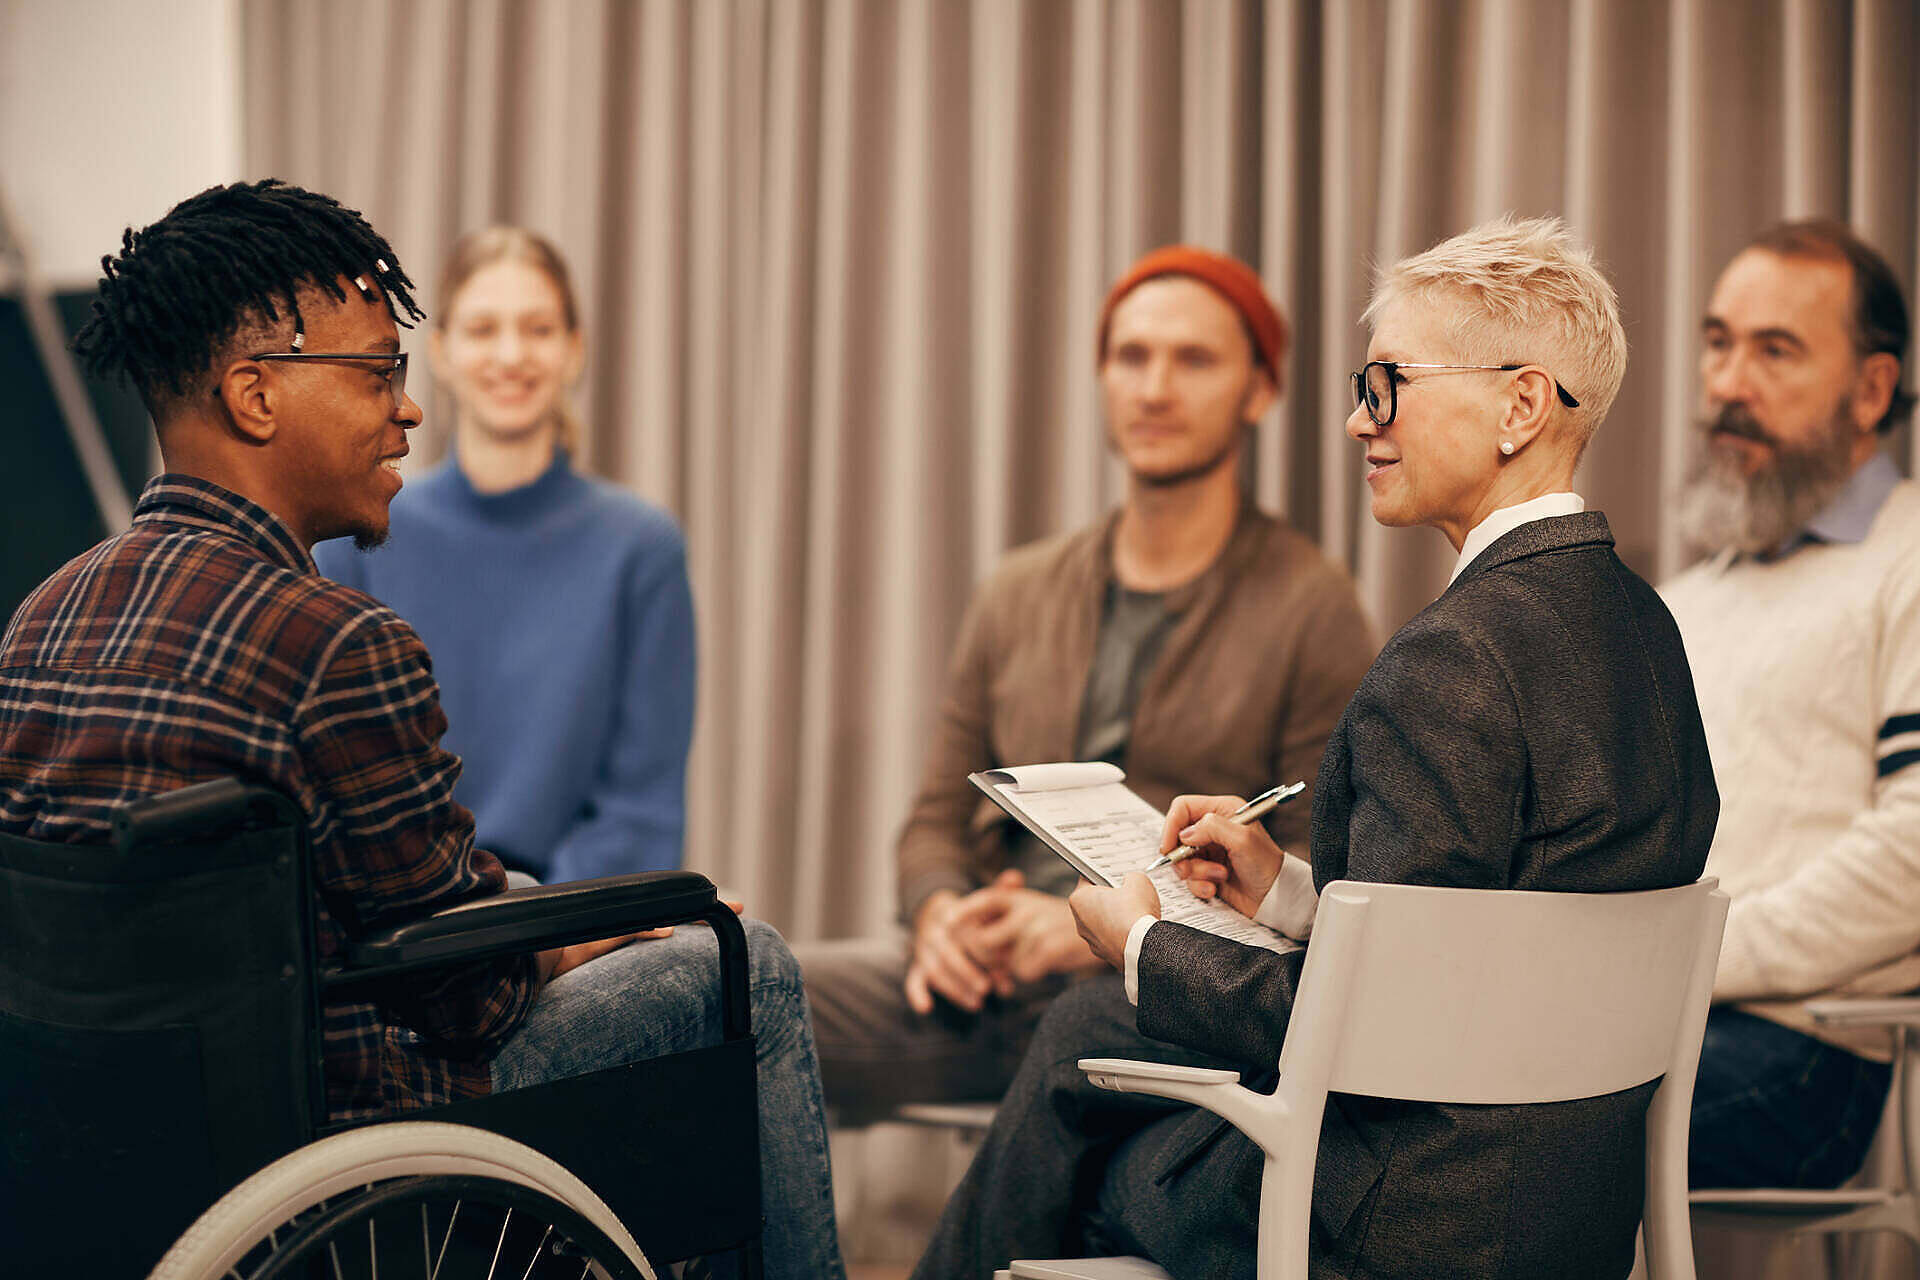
(160, 1052)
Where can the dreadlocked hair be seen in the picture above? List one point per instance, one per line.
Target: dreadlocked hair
(229, 258)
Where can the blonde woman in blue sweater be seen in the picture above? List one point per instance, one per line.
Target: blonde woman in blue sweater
(556, 605)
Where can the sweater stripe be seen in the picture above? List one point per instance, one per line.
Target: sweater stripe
(1909, 723)
(1897, 761)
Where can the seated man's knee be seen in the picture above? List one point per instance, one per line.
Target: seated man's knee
(1773, 1107)
(769, 960)
(1084, 1016)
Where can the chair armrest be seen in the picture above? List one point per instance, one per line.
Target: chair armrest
(1883, 1011)
(1124, 1075)
(1259, 1116)
(532, 919)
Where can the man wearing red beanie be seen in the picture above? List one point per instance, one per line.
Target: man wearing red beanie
(1197, 642)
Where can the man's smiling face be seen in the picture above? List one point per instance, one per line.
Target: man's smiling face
(343, 434)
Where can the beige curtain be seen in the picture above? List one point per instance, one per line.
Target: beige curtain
(841, 261)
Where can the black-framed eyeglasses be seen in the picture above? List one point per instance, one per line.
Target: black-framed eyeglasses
(1374, 386)
(395, 372)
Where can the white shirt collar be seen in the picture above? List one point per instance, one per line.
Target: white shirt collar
(1507, 519)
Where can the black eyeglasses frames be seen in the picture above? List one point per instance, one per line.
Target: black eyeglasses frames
(396, 373)
(1374, 386)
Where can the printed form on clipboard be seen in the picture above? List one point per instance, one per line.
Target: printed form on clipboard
(1086, 813)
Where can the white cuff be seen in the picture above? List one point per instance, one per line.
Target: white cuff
(1290, 904)
(1136, 937)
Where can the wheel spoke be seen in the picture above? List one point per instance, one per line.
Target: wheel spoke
(304, 1237)
(444, 1240)
(534, 1261)
(499, 1244)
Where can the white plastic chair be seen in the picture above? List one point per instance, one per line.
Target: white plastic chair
(1465, 996)
(970, 1120)
(1893, 1206)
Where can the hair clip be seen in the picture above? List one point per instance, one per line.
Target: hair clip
(299, 339)
(380, 265)
(360, 282)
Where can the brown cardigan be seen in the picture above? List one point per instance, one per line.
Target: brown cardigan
(1267, 646)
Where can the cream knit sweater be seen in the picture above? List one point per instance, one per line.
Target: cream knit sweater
(1808, 672)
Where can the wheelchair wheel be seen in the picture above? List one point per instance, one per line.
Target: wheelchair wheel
(406, 1199)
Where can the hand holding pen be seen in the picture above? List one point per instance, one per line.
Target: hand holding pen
(1250, 812)
(1239, 860)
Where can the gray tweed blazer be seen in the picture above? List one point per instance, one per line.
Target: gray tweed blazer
(1534, 728)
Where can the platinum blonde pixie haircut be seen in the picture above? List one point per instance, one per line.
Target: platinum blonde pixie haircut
(1522, 291)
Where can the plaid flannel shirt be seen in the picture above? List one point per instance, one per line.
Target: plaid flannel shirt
(202, 643)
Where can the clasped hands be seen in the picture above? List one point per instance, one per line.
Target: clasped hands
(1234, 863)
(988, 942)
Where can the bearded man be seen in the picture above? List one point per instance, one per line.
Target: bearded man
(1198, 642)
(1802, 625)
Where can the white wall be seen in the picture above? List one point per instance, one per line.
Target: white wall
(111, 111)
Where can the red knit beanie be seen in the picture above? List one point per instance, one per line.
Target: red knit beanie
(1232, 279)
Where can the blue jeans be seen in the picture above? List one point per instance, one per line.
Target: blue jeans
(1774, 1108)
(660, 996)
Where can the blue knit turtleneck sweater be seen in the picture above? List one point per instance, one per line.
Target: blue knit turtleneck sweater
(561, 627)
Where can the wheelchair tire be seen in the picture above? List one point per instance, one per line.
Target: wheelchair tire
(276, 1200)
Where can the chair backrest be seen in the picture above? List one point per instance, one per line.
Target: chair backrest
(1502, 997)
(157, 1006)
(1473, 996)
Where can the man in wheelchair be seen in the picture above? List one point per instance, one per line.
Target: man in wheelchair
(259, 324)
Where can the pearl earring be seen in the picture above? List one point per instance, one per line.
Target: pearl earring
(1506, 446)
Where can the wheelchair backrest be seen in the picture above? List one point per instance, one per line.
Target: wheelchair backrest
(157, 1006)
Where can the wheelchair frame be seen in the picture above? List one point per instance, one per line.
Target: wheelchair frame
(106, 1075)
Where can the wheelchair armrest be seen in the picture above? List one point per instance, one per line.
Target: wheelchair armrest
(1871, 1011)
(554, 915)
(533, 919)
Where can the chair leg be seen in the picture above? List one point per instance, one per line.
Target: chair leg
(1286, 1192)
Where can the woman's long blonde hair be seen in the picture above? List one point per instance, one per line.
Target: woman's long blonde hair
(489, 245)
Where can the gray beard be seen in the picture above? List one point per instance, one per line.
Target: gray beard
(1721, 508)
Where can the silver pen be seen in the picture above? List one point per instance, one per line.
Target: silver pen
(1246, 815)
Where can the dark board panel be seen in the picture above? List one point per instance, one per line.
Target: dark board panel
(47, 511)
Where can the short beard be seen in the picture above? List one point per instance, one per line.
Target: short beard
(1720, 508)
(368, 539)
(1236, 442)
(1199, 470)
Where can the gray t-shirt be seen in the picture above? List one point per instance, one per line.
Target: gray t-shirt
(1133, 626)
